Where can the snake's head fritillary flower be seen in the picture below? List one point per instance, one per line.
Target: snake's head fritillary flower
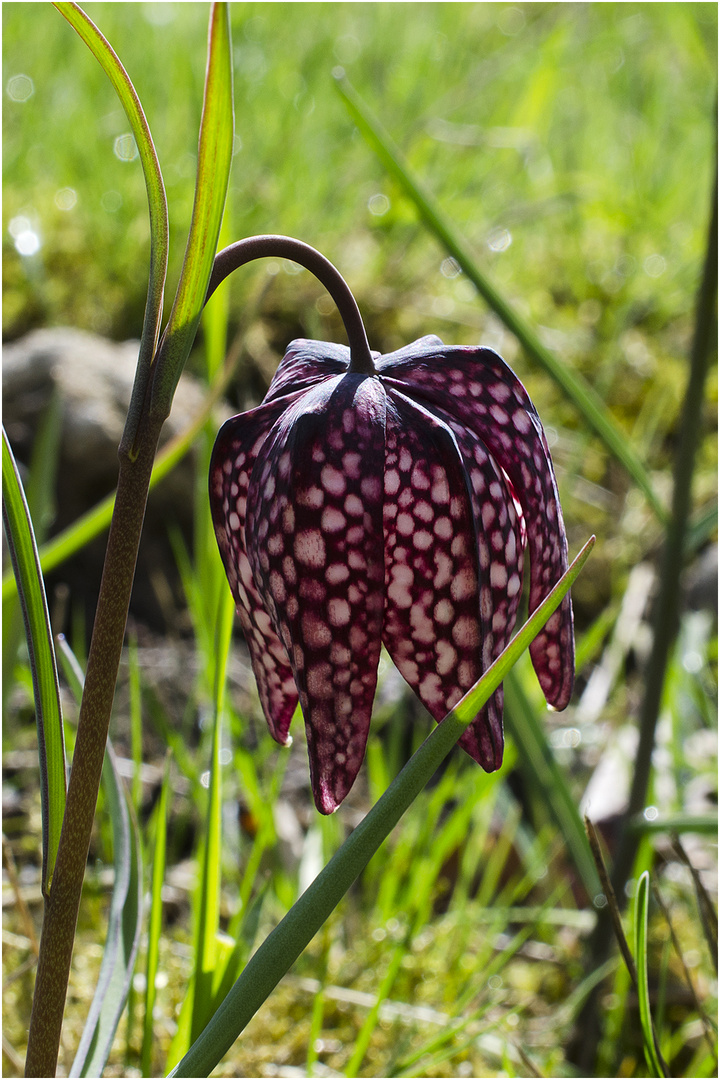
(354, 510)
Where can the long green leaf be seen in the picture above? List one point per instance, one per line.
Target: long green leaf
(125, 917)
(214, 158)
(209, 908)
(123, 933)
(157, 201)
(48, 712)
(652, 1053)
(588, 403)
(283, 946)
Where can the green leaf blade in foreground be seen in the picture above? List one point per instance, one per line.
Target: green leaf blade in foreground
(51, 745)
(588, 403)
(283, 946)
(214, 159)
(125, 916)
(157, 201)
(652, 1055)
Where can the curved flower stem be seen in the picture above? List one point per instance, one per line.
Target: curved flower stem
(285, 247)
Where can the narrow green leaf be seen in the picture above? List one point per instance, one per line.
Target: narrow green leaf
(123, 934)
(155, 922)
(125, 917)
(209, 908)
(214, 158)
(200, 999)
(653, 1057)
(157, 201)
(677, 823)
(40, 495)
(588, 403)
(283, 946)
(46, 690)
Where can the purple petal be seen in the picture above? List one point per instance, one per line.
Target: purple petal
(500, 528)
(234, 455)
(438, 612)
(314, 534)
(479, 390)
(305, 364)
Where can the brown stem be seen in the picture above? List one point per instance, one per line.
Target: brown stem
(61, 906)
(286, 247)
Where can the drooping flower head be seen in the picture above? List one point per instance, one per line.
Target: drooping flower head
(390, 505)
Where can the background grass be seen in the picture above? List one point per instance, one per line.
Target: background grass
(573, 145)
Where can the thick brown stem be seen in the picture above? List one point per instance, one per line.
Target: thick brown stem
(61, 907)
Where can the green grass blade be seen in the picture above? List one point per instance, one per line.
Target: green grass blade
(135, 721)
(214, 158)
(48, 712)
(157, 201)
(123, 933)
(586, 400)
(125, 917)
(283, 946)
(40, 496)
(155, 922)
(537, 759)
(209, 907)
(652, 1052)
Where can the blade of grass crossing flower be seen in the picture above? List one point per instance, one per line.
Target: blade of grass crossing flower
(155, 921)
(652, 1051)
(283, 946)
(589, 404)
(214, 158)
(157, 202)
(46, 690)
(125, 917)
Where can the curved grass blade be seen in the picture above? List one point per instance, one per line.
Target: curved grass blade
(283, 946)
(214, 159)
(46, 690)
(157, 201)
(588, 403)
(652, 1051)
(125, 917)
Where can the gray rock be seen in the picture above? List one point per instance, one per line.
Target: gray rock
(93, 378)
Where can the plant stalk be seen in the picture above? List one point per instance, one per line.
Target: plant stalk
(63, 902)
